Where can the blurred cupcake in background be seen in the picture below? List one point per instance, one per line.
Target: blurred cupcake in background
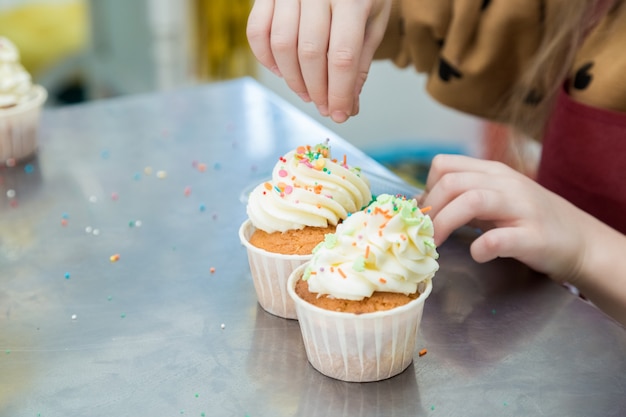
(20, 106)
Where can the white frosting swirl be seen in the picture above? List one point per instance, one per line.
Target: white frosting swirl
(388, 246)
(308, 188)
(15, 81)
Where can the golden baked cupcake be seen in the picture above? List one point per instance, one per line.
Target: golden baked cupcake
(308, 195)
(360, 299)
(20, 106)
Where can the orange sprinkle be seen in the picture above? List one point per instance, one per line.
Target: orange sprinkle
(402, 237)
(332, 269)
(345, 159)
(343, 275)
(63, 222)
(313, 273)
(353, 243)
(426, 209)
(212, 270)
(367, 251)
(382, 280)
(317, 189)
(319, 206)
(423, 352)
(380, 233)
(267, 186)
(115, 258)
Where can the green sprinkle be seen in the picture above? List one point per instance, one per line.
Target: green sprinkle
(359, 264)
(197, 395)
(330, 240)
(493, 311)
(131, 223)
(7, 351)
(109, 298)
(432, 407)
(202, 414)
(123, 315)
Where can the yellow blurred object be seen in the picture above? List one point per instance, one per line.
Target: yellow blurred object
(46, 33)
(222, 49)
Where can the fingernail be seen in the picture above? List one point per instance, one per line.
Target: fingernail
(339, 116)
(276, 71)
(323, 109)
(305, 97)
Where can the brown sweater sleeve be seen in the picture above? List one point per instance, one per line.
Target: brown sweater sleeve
(474, 51)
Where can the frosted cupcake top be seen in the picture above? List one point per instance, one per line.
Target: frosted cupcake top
(308, 188)
(15, 81)
(388, 247)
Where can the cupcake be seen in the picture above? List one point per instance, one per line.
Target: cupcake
(308, 195)
(359, 301)
(20, 106)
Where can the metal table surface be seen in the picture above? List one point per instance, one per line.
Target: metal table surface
(172, 328)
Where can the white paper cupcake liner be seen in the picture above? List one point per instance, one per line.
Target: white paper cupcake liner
(359, 347)
(270, 272)
(19, 127)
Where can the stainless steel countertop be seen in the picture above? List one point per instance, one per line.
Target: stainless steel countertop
(157, 333)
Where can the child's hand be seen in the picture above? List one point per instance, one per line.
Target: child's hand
(520, 219)
(322, 48)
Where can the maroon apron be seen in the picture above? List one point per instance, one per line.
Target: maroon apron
(584, 159)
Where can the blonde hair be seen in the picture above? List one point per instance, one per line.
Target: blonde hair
(544, 76)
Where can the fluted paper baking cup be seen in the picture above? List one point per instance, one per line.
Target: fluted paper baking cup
(270, 272)
(359, 347)
(19, 127)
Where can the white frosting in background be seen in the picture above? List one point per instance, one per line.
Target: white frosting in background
(388, 246)
(15, 81)
(308, 188)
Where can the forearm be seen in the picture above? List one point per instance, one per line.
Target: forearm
(602, 276)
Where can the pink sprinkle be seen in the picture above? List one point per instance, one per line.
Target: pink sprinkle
(115, 196)
(282, 173)
(288, 189)
(187, 191)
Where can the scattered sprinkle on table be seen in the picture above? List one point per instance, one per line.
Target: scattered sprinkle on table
(187, 191)
(67, 275)
(123, 315)
(93, 199)
(115, 196)
(423, 352)
(29, 168)
(74, 316)
(147, 170)
(222, 326)
(212, 269)
(10, 193)
(202, 207)
(161, 174)
(115, 257)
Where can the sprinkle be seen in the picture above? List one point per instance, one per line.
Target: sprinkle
(282, 173)
(114, 196)
(382, 280)
(367, 251)
(147, 170)
(426, 209)
(222, 326)
(29, 168)
(138, 223)
(161, 175)
(212, 270)
(65, 216)
(11, 162)
(137, 176)
(131, 223)
(96, 232)
(88, 229)
(63, 222)
(187, 191)
(67, 275)
(201, 167)
(343, 274)
(267, 186)
(123, 315)
(115, 258)
(423, 352)
(74, 316)
(11, 193)
(93, 199)
(217, 166)
(202, 207)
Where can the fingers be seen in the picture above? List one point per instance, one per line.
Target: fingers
(258, 32)
(474, 204)
(312, 52)
(344, 57)
(505, 242)
(284, 44)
